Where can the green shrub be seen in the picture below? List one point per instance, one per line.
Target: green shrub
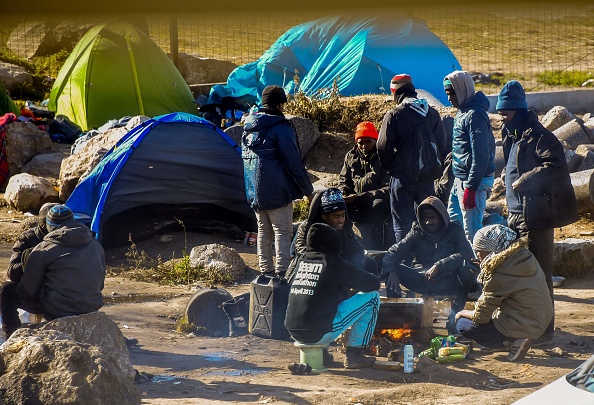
(300, 210)
(564, 78)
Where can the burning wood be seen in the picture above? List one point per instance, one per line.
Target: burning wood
(396, 334)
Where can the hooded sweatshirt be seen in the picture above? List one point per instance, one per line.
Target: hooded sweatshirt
(65, 272)
(515, 293)
(273, 171)
(473, 144)
(448, 248)
(321, 277)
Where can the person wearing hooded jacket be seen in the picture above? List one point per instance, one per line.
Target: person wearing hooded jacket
(274, 176)
(515, 306)
(316, 313)
(63, 275)
(473, 152)
(434, 258)
(538, 187)
(397, 155)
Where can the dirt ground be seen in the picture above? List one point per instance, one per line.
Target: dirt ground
(193, 370)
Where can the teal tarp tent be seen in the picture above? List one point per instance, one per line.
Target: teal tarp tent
(365, 53)
(6, 103)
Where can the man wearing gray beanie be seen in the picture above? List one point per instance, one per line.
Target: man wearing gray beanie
(537, 184)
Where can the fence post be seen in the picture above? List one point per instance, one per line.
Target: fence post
(173, 40)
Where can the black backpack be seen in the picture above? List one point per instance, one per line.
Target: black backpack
(427, 166)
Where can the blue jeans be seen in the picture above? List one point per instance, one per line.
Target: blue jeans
(472, 219)
(360, 311)
(485, 334)
(404, 201)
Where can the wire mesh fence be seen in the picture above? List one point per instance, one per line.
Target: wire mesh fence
(547, 47)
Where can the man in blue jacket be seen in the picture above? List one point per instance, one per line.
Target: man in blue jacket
(473, 152)
(274, 176)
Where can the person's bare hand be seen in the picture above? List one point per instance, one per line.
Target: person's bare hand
(465, 313)
(432, 272)
(350, 199)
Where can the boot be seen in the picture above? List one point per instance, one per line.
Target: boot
(354, 358)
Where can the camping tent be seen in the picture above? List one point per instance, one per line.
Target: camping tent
(116, 70)
(173, 160)
(365, 53)
(6, 103)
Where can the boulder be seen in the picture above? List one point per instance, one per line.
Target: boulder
(573, 133)
(205, 312)
(45, 165)
(13, 76)
(198, 70)
(23, 142)
(499, 160)
(32, 38)
(218, 258)
(583, 187)
(77, 166)
(26, 192)
(589, 127)
(556, 117)
(74, 360)
(573, 160)
(587, 162)
(573, 258)
(67, 33)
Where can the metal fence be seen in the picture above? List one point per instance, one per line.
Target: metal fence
(546, 47)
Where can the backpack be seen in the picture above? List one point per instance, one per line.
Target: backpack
(427, 166)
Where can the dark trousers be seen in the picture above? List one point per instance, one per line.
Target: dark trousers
(403, 203)
(374, 216)
(10, 302)
(485, 335)
(541, 242)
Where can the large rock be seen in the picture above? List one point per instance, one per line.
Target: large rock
(589, 127)
(220, 259)
(556, 117)
(198, 70)
(74, 360)
(573, 133)
(45, 165)
(583, 187)
(14, 76)
(25, 192)
(499, 160)
(77, 166)
(23, 142)
(67, 33)
(573, 258)
(32, 38)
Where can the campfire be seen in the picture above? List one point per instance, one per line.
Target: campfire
(390, 342)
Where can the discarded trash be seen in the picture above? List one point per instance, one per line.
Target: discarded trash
(558, 281)
(163, 378)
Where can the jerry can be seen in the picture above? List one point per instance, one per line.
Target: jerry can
(268, 305)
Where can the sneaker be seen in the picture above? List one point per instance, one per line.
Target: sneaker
(518, 349)
(328, 358)
(354, 358)
(299, 368)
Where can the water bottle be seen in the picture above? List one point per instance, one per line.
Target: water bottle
(409, 362)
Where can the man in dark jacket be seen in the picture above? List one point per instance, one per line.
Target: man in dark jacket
(315, 312)
(25, 243)
(274, 176)
(63, 275)
(473, 152)
(365, 186)
(537, 184)
(396, 149)
(433, 258)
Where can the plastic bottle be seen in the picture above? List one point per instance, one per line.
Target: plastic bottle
(409, 362)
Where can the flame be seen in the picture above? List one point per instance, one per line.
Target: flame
(397, 334)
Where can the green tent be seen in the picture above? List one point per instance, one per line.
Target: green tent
(116, 70)
(6, 103)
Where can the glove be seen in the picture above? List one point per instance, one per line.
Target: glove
(469, 199)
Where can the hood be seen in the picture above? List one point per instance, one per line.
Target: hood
(478, 100)
(516, 260)
(463, 85)
(419, 105)
(437, 205)
(324, 239)
(71, 233)
(257, 121)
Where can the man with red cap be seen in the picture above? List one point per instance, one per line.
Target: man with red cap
(398, 150)
(365, 186)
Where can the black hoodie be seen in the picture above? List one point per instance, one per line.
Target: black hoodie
(316, 289)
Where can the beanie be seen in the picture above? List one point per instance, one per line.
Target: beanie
(57, 215)
(512, 97)
(332, 200)
(366, 129)
(493, 238)
(447, 85)
(399, 80)
(273, 95)
(41, 218)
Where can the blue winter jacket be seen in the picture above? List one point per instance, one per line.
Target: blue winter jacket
(473, 144)
(273, 171)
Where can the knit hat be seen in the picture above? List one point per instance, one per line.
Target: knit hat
(493, 238)
(398, 81)
(43, 213)
(57, 215)
(273, 95)
(512, 97)
(447, 85)
(366, 129)
(332, 201)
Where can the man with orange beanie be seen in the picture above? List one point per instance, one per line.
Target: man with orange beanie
(365, 186)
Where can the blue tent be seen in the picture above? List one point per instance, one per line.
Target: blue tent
(176, 159)
(365, 53)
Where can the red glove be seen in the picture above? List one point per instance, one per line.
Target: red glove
(469, 199)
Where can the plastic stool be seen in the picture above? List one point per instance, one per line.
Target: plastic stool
(312, 354)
